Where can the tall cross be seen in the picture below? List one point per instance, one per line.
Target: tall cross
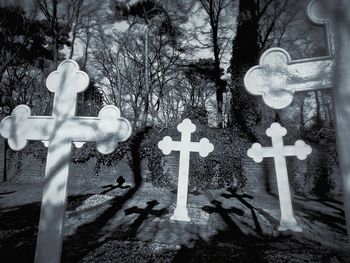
(311, 74)
(185, 146)
(279, 152)
(58, 132)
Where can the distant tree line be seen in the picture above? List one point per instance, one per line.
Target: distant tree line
(141, 57)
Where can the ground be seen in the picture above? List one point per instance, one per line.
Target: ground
(119, 223)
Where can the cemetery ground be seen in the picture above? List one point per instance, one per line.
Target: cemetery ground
(117, 222)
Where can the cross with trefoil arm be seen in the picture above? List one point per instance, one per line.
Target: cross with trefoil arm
(58, 132)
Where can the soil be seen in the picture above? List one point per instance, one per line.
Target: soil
(132, 224)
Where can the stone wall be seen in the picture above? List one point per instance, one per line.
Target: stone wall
(28, 168)
(261, 177)
(171, 168)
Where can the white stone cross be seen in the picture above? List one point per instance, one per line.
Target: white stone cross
(185, 146)
(58, 132)
(277, 76)
(279, 152)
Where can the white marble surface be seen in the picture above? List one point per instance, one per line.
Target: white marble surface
(58, 132)
(279, 151)
(185, 146)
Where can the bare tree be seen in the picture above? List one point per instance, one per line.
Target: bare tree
(219, 15)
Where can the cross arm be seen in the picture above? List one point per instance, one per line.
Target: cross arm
(21, 127)
(300, 149)
(203, 147)
(107, 130)
(133, 210)
(277, 77)
(258, 153)
(167, 145)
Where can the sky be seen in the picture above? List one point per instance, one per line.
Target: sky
(196, 22)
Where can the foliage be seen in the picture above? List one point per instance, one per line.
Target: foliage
(324, 163)
(221, 168)
(90, 102)
(325, 138)
(317, 175)
(197, 114)
(24, 55)
(23, 37)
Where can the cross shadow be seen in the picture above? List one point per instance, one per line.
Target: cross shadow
(19, 227)
(194, 192)
(266, 178)
(93, 232)
(337, 222)
(120, 181)
(272, 221)
(327, 203)
(241, 198)
(18, 232)
(6, 193)
(225, 215)
(144, 213)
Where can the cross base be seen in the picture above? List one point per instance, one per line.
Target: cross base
(180, 214)
(291, 225)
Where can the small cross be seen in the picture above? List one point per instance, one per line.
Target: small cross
(120, 184)
(225, 215)
(278, 151)
(58, 132)
(278, 77)
(143, 214)
(241, 198)
(185, 146)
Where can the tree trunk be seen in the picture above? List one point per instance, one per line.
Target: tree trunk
(146, 91)
(302, 121)
(245, 54)
(318, 110)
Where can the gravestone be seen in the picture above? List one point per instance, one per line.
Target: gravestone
(185, 146)
(57, 133)
(279, 152)
(277, 77)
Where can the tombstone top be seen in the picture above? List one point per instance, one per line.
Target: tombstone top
(278, 77)
(276, 132)
(318, 14)
(186, 128)
(106, 130)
